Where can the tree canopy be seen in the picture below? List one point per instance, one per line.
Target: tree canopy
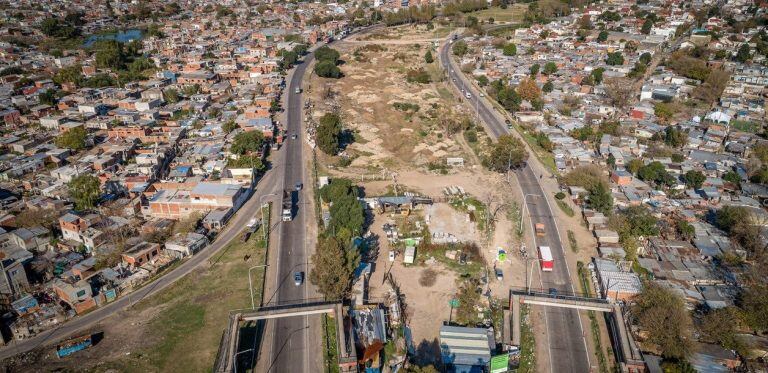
(662, 314)
(247, 142)
(85, 190)
(74, 139)
(508, 152)
(329, 133)
(333, 265)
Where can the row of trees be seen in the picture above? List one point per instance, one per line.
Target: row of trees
(335, 259)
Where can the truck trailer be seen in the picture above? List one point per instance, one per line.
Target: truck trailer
(287, 206)
(545, 256)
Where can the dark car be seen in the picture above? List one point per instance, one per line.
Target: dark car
(553, 292)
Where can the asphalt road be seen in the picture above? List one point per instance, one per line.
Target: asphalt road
(292, 346)
(567, 344)
(81, 323)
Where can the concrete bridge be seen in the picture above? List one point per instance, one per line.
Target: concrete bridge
(629, 354)
(229, 348)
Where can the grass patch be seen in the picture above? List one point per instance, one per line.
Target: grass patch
(527, 362)
(572, 241)
(186, 332)
(513, 13)
(330, 350)
(746, 126)
(514, 214)
(564, 206)
(594, 326)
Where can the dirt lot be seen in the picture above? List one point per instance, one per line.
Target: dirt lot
(396, 123)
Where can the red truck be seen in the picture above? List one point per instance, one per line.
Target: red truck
(547, 262)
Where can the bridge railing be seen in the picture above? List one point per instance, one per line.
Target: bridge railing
(559, 295)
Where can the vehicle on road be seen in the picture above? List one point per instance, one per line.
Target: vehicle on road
(553, 292)
(545, 256)
(299, 186)
(469, 95)
(287, 206)
(298, 278)
(294, 136)
(540, 229)
(73, 345)
(391, 256)
(252, 223)
(298, 90)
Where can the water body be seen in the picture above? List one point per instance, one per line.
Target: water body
(121, 36)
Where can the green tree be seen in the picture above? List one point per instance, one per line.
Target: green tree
(597, 75)
(508, 152)
(744, 53)
(510, 49)
(69, 74)
(329, 133)
(326, 53)
(720, 326)
(428, 57)
(47, 97)
(171, 95)
(85, 190)
(550, 68)
(327, 69)
(614, 59)
(110, 54)
(647, 26)
(602, 36)
(600, 198)
(548, 87)
(247, 142)
(662, 314)
(535, 69)
(694, 179)
(675, 137)
(732, 177)
(229, 126)
(664, 111)
(685, 230)
(460, 48)
(634, 165)
(333, 266)
(754, 307)
(655, 172)
(73, 139)
(482, 80)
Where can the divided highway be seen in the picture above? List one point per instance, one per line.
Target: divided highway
(565, 333)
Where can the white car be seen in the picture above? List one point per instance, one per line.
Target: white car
(469, 95)
(391, 256)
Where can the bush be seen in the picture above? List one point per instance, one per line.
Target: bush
(471, 136)
(418, 76)
(560, 195)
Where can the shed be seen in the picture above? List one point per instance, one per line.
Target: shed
(466, 349)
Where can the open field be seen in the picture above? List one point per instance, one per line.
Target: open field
(396, 123)
(513, 14)
(177, 330)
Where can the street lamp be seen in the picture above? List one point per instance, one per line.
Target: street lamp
(265, 224)
(527, 277)
(250, 283)
(525, 205)
(250, 349)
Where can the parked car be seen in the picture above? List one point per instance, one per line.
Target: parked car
(553, 292)
(499, 274)
(391, 256)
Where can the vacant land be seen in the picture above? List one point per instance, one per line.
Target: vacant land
(513, 14)
(398, 107)
(177, 330)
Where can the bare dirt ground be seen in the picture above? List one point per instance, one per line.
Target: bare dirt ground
(396, 123)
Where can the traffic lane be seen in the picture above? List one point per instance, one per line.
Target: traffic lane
(558, 320)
